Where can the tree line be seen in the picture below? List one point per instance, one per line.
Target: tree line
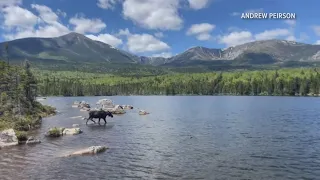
(18, 91)
(283, 82)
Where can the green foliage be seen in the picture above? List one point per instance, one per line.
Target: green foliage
(22, 135)
(284, 82)
(55, 132)
(18, 90)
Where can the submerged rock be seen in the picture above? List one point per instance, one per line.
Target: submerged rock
(89, 151)
(71, 131)
(8, 138)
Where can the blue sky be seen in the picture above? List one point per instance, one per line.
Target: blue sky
(160, 27)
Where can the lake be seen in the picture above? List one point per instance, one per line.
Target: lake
(184, 137)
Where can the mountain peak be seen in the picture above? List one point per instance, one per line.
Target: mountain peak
(72, 35)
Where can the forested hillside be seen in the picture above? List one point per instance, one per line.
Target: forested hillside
(284, 82)
(18, 106)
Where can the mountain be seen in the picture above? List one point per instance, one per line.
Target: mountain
(70, 48)
(78, 50)
(258, 52)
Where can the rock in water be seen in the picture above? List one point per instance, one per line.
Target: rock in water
(8, 138)
(71, 131)
(32, 140)
(89, 151)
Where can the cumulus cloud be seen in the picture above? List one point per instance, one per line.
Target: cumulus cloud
(106, 38)
(123, 32)
(163, 54)
(241, 37)
(153, 14)
(61, 13)
(201, 31)
(23, 23)
(198, 4)
(15, 16)
(106, 4)
(139, 43)
(318, 42)
(10, 2)
(272, 34)
(85, 25)
(236, 38)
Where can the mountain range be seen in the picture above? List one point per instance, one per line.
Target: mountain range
(75, 48)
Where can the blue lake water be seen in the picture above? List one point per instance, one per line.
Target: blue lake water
(184, 137)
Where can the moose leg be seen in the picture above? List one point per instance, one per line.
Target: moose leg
(105, 121)
(99, 121)
(92, 120)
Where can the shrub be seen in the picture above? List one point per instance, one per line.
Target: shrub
(21, 135)
(55, 132)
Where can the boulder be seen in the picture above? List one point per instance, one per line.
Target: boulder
(85, 109)
(8, 138)
(143, 112)
(32, 140)
(89, 151)
(71, 131)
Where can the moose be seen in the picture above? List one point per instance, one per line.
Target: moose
(99, 114)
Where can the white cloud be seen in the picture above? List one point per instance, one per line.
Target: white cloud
(163, 54)
(318, 42)
(61, 13)
(21, 23)
(290, 22)
(106, 4)
(15, 16)
(139, 43)
(203, 37)
(124, 32)
(198, 4)
(202, 31)
(10, 2)
(236, 38)
(200, 28)
(159, 34)
(291, 38)
(316, 30)
(154, 14)
(106, 38)
(241, 37)
(85, 25)
(273, 34)
(45, 13)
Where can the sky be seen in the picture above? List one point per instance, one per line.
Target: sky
(161, 27)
